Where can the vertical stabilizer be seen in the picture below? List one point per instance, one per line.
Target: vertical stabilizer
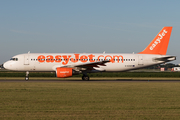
(160, 43)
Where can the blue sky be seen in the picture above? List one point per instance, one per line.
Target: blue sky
(85, 26)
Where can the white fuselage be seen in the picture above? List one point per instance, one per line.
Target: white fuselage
(50, 61)
(66, 64)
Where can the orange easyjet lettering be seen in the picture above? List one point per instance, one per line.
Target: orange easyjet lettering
(91, 57)
(66, 59)
(41, 58)
(116, 56)
(99, 57)
(83, 58)
(58, 58)
(50, 58)
(78, 57)
(108, 56)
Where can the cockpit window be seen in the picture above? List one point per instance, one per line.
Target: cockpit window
(14, 59)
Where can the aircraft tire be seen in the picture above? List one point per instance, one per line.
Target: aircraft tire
(27, 78)
(85, 77)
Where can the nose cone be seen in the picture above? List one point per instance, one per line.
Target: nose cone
(12, 65)
(7, 65)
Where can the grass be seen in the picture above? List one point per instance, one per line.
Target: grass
(89, 100)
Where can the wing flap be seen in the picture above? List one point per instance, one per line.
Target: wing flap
(93, 64)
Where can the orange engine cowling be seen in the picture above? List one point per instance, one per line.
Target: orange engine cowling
(64, 72)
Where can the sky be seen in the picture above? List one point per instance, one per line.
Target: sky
(85, 26)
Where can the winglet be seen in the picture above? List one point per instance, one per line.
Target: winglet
(160, 43)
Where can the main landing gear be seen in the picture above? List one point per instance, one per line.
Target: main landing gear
(85, 77)
(27, 76)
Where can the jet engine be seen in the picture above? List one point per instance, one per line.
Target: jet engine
(62, 72)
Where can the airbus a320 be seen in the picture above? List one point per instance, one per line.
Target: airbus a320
(69, 64)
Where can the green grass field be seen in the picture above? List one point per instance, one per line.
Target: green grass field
(89, 100)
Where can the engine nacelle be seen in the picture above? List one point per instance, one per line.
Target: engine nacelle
(63, 72)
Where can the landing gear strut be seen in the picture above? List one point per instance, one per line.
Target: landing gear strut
(85, 77)
(27, 76)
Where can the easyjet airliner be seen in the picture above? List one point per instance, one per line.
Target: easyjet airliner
(68, 64)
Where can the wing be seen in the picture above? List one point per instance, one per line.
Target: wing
(88, 66)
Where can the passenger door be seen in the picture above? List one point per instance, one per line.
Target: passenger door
(26, 59)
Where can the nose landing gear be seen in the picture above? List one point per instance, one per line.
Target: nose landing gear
(27, 76)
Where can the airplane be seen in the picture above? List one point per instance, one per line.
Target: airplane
(68, 64)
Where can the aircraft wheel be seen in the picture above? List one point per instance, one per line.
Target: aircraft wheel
(85, 77)
(27, 78)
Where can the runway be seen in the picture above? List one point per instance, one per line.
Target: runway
(91, 80)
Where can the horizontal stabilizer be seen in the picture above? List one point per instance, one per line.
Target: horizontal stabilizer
(166, 59)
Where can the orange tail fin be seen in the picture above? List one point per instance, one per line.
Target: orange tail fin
(160, 43)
